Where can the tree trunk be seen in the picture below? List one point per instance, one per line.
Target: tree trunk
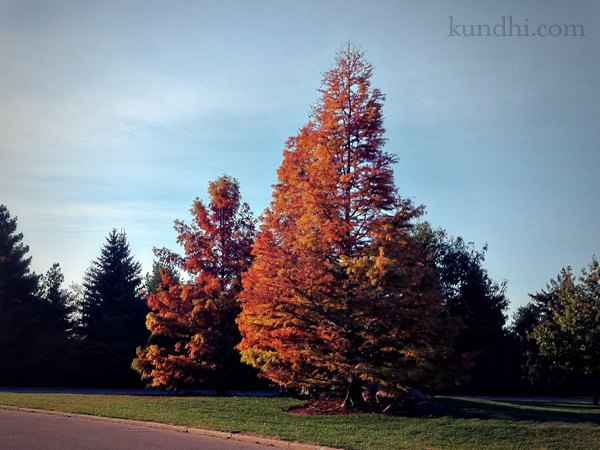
(222, 390)
(595, 377)
(353, 395)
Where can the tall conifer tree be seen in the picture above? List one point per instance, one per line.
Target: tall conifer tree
(112, 317)
(59, 299)
(338, 293)
(30, 343)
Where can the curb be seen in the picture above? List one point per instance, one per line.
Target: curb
(248, 438)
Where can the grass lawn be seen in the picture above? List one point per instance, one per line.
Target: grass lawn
(473, 424)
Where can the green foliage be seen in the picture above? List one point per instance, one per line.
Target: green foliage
(540, 374)
(569, 332)
(478, 301)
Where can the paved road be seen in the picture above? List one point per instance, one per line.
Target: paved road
(34, 431)
(530, 399)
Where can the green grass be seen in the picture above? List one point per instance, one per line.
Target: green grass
(473, 424)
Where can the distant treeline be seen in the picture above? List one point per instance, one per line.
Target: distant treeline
(87, 335)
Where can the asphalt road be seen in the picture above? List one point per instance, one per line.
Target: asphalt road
(34, 431)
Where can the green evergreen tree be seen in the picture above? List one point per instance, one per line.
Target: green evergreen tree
(18, 284)
(112, 316)
(59, 300)
(30, 345)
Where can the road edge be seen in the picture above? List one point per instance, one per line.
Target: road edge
(248, 438)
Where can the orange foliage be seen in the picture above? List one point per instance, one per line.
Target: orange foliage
(338, 293)
(195, 320)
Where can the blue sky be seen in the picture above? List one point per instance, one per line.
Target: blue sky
(117, 114)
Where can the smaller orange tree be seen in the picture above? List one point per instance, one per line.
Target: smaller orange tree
(193, 326)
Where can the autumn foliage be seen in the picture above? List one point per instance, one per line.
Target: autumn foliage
(339, 293)
(193, 321)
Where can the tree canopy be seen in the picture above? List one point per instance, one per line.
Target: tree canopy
(193, 326)
(477, 300)
(339, 292)
(570, 331)
(540, 375)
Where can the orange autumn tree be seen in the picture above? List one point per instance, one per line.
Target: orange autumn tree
(339, 293)
(193, 326)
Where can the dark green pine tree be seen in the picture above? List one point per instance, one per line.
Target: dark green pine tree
(112, 316)
(30, 345)
(58, 299)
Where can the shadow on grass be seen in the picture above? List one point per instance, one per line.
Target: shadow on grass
(572, 413)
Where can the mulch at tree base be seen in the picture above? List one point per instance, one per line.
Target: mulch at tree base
(332, 407)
